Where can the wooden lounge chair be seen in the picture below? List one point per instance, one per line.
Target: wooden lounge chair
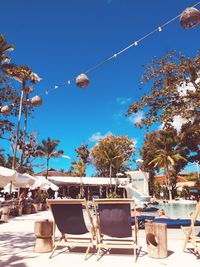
(193, 234)
(69, 219)
(113, 225)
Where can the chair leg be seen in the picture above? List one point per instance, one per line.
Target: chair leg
(86, 253)
(98, 251)
(55, 247)
(186, 241)
(137, 253)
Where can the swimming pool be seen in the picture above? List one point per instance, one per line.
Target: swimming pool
(175, 210)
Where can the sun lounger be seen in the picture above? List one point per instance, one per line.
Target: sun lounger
(141, 219)
(171, 223)
(113, 224)
(193, 234)
(175, 223)
(69, 219)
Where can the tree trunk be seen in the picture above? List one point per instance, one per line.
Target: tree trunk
(110, 177)
(25, 129)
(47, 172)
(168, 183)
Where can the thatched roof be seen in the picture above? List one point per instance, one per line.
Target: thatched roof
(161, 179)
(51, 172)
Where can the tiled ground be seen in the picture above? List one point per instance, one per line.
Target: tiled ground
(17, 241)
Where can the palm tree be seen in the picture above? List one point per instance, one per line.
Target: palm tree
(166, 159)
(83, 153)
(81, 163)
(79, 167)
(48, 150)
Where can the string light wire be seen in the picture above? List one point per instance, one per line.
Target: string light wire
(114, 56)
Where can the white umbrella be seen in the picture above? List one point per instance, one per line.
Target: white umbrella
(24, 180)
(44, 184)
(7, 189)
(6, 176)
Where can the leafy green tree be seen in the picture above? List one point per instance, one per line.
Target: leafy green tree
(7, 93)
(83, 153)
(163, 140)
(2, 158)
(166, 157)
(112, 154)
(169, 97)
(79, 168)
(15, 104)
(83, 159)
(48, 151)
(189, 139)
(175, 93)
(70, 171)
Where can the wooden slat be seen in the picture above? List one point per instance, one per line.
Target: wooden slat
(112, 201)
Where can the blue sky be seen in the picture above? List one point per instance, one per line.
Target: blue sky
(61, 39)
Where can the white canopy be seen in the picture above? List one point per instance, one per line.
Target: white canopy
(8, 187)
(44, 184)
(6, 176)
(24, 180)
(61, 180)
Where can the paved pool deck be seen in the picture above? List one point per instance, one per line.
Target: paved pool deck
(17, 241)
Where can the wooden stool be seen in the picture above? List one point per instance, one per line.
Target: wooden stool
(43, 231)
(5, 214)
(156, 239)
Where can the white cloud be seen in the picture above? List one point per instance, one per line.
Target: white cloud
(97, 136)
(66, 157)
(177, 123)
(122, 100)
(136, 118)
(185, 87)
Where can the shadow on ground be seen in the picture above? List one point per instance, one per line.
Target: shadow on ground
(13, 261)
(13, 241)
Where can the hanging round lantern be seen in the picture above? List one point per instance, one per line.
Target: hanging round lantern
(36, 101)
(190, 18)
(82, 80)
(6, 110)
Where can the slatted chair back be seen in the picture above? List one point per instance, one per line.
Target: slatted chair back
(113, 224)
(70, 221)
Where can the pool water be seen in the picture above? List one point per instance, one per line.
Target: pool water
(175, 210)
